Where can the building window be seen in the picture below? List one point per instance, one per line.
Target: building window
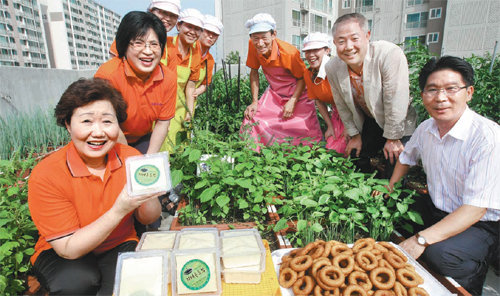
(296, 18)
(346, 4)
(318, 23)
(318, 5)
(433, 37)
(417, 2)
(435, 13)
(296, 41)
(364, 6)
(370, 25)
(417, 20)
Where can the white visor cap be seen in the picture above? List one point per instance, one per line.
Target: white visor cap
(213, 24)
(317, 40)
(192, 16)
(173, 6)
(261, 22)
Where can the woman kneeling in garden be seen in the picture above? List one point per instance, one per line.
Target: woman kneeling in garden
(77, 195)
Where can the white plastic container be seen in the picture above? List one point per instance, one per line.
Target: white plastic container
(142, 273)
(157, 240)
(148, 174)
(243, 256)
(197, 238)
(196, 272)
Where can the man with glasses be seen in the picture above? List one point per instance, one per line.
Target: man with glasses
(460, 152)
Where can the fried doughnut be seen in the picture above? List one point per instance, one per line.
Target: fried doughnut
(287, 277)
(354, 290)
(365, 244)
(382, 278)
(366, 260)
(357, 267)
(361, 279)
(386, 245)
(399, 289)
(318, 291)
(345, 262)
(378, 246)
(384, 293)
(328, 248)
(408, 278)
(331, 276)
(395, 260)
(318, 264)
(284, 265)
(301, 262)
(314, 250)
(340, 248)
(417, 291)
(384, 263)
(303, 286)
(286, 258)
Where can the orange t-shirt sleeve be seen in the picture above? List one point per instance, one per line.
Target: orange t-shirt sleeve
(210, 68)
(310, 86)
(297, 66)
(170, 80)
(195, 65)
(252, 58)
(51, 210)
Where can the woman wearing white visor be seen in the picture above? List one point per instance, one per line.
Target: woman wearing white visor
(317, 48)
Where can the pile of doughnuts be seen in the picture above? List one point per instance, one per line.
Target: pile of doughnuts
(334, 269)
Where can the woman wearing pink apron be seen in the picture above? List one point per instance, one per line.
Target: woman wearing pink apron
(283, 111)
(316, 48)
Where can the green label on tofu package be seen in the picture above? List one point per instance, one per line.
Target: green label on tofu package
(147, 174)
(195, 274)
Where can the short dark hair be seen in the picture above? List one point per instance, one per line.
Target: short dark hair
(136, 24)
(446, 62)
(85, 91)
(357, 17)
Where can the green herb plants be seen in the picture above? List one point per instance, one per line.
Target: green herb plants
(17, 231)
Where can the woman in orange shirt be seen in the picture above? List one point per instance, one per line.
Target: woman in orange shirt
(317, 48)
(148, 87)
(77, 195)
(283, 111)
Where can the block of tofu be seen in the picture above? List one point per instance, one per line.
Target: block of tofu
(154, 240)
(196, 272)
(243, 275)
(200, 238)
(240, 251)
(148, 174)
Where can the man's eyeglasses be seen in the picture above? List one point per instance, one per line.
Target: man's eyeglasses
(432, 92)
(140, 45)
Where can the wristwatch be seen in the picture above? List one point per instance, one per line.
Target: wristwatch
(421, 240)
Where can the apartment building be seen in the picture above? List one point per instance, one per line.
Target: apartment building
(294, 20)
(22, 41)
(403, 20)
(62, 34)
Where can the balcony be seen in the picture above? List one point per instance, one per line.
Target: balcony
(304, 6)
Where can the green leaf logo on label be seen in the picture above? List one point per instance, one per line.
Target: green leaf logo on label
(147, 174)
(195, 274)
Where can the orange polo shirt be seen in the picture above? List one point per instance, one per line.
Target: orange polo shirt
(148, 101)
(63, 196)
(209, 62)
(174, 58)
(319, 89)
(283, 55)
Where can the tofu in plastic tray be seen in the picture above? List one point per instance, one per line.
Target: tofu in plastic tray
(157, 240)
(243, 256)
(148, 174)
(197, 238)
(196, 272)
(142, 273)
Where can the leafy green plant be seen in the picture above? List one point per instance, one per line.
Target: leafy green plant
(17, 231)
(33, 131)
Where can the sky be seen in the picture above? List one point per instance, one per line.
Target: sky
(123, 6)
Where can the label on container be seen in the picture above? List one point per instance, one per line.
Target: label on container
(195, 274)
(147, 174)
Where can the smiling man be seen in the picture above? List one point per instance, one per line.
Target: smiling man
(369, 82)
(460, 153)
(283, 112)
